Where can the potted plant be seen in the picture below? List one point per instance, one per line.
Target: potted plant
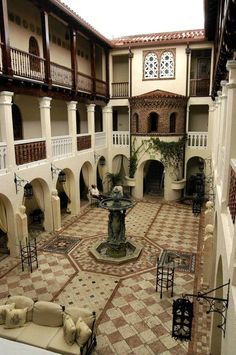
(133, 163)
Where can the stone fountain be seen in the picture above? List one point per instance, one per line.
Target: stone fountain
(116, 249)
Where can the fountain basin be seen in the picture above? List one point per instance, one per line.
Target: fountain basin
(108, 253)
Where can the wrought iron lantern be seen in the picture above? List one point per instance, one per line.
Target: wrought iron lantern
(102, 161)
(28, 188)
(61, 173)
(182, 319)
(62, 176)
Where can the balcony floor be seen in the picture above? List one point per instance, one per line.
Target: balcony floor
(132, 319)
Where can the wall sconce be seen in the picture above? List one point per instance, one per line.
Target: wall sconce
(61, 173)
(28, 188)
(183, 312)
(102, 161)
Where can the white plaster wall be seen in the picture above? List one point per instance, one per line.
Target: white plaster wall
(30, 115)
(83, 55)
(59, 121)
(120, 68)
(198, 118)
(123, 118)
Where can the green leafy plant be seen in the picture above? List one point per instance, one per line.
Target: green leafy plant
(171, 153)
(134, 157)
(113, 179)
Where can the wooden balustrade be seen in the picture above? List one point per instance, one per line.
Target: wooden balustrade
(61, 75)
(101, 87)
(27, 65)
(84, 83)
(29, 152)
(232, 193)
(120, 89)
(83, 141)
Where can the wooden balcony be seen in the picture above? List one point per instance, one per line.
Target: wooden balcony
(26, 65)
(199, 87)
(120, 89)
(30, 150)
(83, 141)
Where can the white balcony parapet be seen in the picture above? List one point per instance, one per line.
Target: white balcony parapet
(100, 139)
(3, 155)
(61, 146)
(197, 140)
(120, 138)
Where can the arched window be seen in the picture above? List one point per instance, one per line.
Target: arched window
(34, 49)
(153, 122)
(173, 122)
(136, 122)
(151, 66)
(77, 122)
(167, 65)
(17, 123)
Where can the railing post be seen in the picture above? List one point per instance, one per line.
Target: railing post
(46, 50)
(73, 58)
(45, 106)
(7, 127)
(4, 29)
(93, 72)
(91, 122)
(71, 111)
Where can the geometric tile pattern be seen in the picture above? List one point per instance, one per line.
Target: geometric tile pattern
(132, 319)
(182, 261)
(85, 260)
(61, 244)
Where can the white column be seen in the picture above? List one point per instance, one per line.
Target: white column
(71, 112)
(45, 106)
(222, 123)
(211, 118)
(187, 118)
(230, 130)
(91, 122)
(7, 127)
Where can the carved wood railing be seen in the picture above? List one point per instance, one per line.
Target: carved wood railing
(30, 150)
(199, 87)
(232, 192)
(83, 141)
(120, 89)
(27, 65)
(84, 83)
(61, 75)
(101, 87)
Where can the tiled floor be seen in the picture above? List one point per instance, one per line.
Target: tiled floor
(132, 319)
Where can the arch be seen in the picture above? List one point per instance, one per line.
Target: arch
(153, 122)
(216, 338)
(77, 122)
(153, 177)
(172, 122)
(192, 169)
(167, 65)
(65, 192)
(8, 231)
(151, 66)
(34, 49)
(85, 181)
(17, 123)
(101, 167)
(41, 203)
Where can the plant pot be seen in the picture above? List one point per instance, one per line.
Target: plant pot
(130, 181)
(178, 184)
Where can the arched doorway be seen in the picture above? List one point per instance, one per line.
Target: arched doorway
(4, 251)
(7, 228)
(217, 318)
(153, 178)
(101, 166)
(193, 169)
(85, 181)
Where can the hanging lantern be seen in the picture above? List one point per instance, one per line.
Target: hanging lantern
(182, 319)
(62, 176)
(102, 161)
(28, 190)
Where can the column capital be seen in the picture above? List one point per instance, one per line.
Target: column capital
(72, 105)
(231, 64)
(45, 102)
(90, 107)
(6, 97)
(107, 109)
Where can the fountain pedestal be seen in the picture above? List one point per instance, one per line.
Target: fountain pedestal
(116, 249)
